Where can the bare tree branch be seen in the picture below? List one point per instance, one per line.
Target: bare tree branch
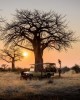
(11, 55)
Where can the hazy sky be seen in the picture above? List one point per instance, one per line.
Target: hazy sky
(70, 8)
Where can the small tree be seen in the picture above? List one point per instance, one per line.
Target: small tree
(11, 55)
(4, 66)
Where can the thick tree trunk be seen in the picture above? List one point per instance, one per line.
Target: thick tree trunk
(13, 64)
(38, 53)
(38, 60)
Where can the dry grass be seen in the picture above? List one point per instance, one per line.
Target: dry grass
(11, 85)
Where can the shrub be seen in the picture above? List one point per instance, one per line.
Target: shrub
(76, 68)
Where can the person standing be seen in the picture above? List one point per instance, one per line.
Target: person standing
(59, 70)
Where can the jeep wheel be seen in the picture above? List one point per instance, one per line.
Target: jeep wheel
(30, 76)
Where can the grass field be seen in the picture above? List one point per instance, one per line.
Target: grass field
(12, 87)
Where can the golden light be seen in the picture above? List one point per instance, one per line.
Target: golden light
(25, 54)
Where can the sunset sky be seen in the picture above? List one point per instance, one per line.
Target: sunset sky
(70, 8)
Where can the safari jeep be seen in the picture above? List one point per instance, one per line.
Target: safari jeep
(39, 75)
(46, 73)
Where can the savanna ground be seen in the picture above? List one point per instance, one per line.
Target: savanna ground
(65, 88)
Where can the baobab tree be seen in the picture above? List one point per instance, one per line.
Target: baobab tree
(36, 31)
(11, 55)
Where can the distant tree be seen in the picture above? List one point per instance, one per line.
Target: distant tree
(4, 66)
(76, 68)
(65, 69)
(11, 55)
(37, 31)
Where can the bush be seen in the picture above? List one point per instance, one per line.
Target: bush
(65, 69)
(76, 68)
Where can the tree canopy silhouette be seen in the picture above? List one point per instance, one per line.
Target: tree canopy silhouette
(36, 31)
(11, 55)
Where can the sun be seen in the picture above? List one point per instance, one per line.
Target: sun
(25, 54)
